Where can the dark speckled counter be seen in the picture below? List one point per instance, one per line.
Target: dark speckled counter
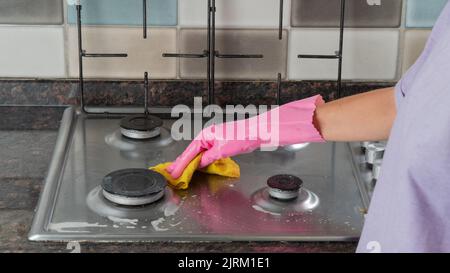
(170, 93)
(27, 138)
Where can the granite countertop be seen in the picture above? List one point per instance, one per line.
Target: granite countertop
(27, 138)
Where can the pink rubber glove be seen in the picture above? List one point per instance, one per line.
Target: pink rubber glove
(291, 123)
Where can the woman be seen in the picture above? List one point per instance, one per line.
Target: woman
(410, 208)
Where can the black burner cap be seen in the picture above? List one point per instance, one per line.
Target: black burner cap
(285, 182)
(141, 122)
(134, 182)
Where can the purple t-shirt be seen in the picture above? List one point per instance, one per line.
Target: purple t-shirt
(410, 208)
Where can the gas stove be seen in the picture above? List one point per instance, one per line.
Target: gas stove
(309, 192)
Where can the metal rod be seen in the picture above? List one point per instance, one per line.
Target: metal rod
(82, 54)
(184, 55)
(341, 46)
(212, 52)
(104, 55)
(308, 56)
(338, 54)
(239, 56)
(144, 22)
(80, 58)
(279, 89)
(280, 28)
(208, 50)
(146, 96)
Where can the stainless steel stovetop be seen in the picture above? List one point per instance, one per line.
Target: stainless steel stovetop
(71, 208)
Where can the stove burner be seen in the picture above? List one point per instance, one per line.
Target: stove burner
(284, 186)
(133, 187)
(264, 201)
(97, 202)
(141, 126)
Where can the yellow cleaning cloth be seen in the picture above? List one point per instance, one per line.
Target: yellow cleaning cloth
(223, 167)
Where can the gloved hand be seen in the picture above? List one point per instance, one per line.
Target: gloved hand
(291, 123)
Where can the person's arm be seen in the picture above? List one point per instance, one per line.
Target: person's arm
(364, 117)
(367, 116)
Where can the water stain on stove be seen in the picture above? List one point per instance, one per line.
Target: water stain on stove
(69, 227)
(123, 221)
(156, 224)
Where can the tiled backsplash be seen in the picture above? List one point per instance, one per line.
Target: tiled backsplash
(31, 12)
(369, 54)
(143, 55)
(415, 40)
(359, 13)
(232, 41)
(125, 12)
(382, 39)
(233, 13)
(423, 13)
(32, 51)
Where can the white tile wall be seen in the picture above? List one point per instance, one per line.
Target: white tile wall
(415, 41)
(35, 52)
(143, 55)
(234, 13)
(368, 54)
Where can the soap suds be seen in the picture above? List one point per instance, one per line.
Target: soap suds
(156, 224)
(171, 209)
(122, 221)
(176, 224)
